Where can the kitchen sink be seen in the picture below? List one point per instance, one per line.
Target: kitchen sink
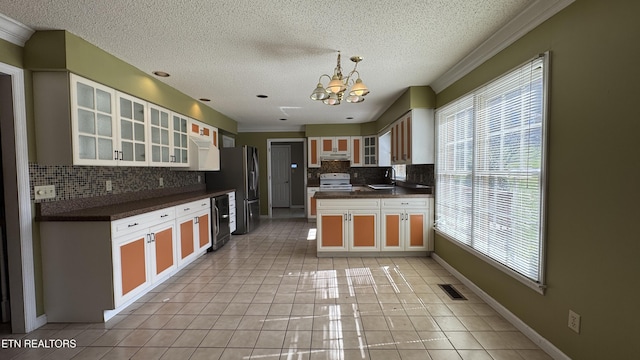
(381, 186)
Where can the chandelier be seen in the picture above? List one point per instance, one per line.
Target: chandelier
(333, 94)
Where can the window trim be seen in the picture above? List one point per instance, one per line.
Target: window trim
(540, 285)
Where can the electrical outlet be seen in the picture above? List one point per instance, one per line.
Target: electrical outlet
(109, 185)
(355, 175)
(161, 182)
(44, 192)
(199, 179)
(574, 321)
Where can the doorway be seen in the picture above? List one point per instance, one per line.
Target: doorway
(18, 243)
(286, 169)
(5, 309)
(280, 176)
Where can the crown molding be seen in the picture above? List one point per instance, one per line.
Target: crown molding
(262, 128)
(13, 31)
(532, 16)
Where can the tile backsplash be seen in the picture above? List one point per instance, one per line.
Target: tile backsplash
(421, 174)
(416, 174)
(75, 182)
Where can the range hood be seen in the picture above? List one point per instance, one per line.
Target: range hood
(335, 157)
(203, 155)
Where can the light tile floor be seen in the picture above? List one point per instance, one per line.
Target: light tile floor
(267, 296)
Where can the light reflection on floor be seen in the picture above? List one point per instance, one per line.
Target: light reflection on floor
(266, 295)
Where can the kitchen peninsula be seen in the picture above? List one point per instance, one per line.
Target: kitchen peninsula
(366, 222)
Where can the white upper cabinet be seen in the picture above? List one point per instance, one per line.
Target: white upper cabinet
(412, 138)
(81, 122)
(356, 151)
(132, 131)
(160, 136)
(93, 122)
(313, 153)
(370, 146)
(337, 145)
(180, 144)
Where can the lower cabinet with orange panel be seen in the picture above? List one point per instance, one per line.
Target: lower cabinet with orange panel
(93, 269)
(406, 224)
(194, 229)
(143, 257)
(347, 226)
(311, 202)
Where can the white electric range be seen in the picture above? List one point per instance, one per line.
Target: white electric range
(335, 182)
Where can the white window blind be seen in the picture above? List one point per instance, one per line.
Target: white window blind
(489, 171)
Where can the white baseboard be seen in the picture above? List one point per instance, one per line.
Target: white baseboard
(543, 343)
(41, 321)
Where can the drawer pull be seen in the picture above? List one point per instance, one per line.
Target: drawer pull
(132, 225)
(187, 209)
(164, 216)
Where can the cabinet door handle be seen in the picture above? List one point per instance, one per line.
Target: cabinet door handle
(153, 237)
(115, 156)
(132, 225)
(148, 238)
(196, 220)
(346, 217)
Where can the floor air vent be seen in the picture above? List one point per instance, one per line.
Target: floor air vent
(452, 292)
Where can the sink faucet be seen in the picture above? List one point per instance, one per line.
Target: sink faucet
(391, 174)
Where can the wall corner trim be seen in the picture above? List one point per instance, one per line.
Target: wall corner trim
(527, 331)
(533, 15)
(13, 31)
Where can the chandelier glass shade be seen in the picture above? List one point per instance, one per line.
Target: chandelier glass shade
(338, 84)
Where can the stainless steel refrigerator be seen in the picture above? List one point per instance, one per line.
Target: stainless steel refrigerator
(239, 170)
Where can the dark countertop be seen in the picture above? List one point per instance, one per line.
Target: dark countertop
(397, 191)
(131, 208)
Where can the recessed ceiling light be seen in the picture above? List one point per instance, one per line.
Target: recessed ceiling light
(283, 119)
(349, 117)
(161, 73)
(204, 99)
(262, 96)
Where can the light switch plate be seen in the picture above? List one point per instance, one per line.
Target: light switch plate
(44, 192)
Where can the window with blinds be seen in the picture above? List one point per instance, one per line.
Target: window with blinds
(490, 170)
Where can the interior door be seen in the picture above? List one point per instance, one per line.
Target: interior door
(280, 176)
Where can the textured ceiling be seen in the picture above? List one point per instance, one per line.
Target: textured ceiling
(231, 51)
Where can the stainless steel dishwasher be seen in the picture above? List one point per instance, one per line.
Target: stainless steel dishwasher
(220, 232)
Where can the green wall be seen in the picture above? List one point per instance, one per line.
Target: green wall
(259, 140)
(61, 50)
(592, 244)
(333, 129)
(11, 54)
(415, 97)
